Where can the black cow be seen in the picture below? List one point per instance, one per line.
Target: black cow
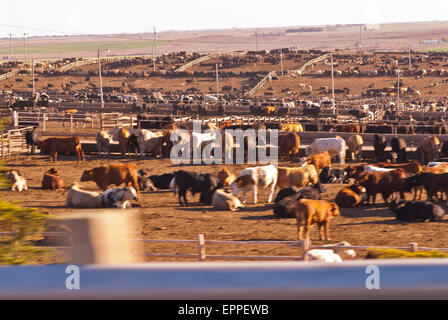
(286, 199)
(162, 181)
(398, 146)
(133, 144)
(32, 139)
(414, 211)
(195, 182)
(144, 182)
(331, 175)
(444, 149)
(379, 144)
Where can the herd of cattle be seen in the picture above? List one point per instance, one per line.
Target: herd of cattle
(300, 187)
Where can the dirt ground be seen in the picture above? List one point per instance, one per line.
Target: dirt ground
(161, 217)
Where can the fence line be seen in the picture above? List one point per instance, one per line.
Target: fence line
(13, 141)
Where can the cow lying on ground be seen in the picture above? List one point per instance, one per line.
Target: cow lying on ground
(195, 183)
(351, 196)
(309, 212)
(329, 175)
(113, 174)
(413, 211)
(223, 200)
(52, 180)
(53, 146)
(18, 181)
(119, 198)
(144, 182)
(250, 178)
(319, 160)
(111, 198)
(286, 199)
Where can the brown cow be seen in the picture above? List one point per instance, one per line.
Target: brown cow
(53, 146)
(385, 183)
(226, 177)
(116, 174)
(349, 197)
(319, 160)
(123, 140)
(292, 127)
(412, 167)
(309, 212)
(351, 127)
(288, 144)
(52, 180)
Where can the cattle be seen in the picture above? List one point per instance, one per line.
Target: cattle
(440, 168)
(118, 198)
(52, 180)
(133, 145)
(291, 127)
(328, 255)
(398, 146)
(113, 174)
(296, 177)
(32, 139)
(123, 139)
(82, 199)
(195, 182)
(162, 181)
(414, 211)
(329, 175)
(17, 180)
(335, 146)
(351, 196)
(429, 149)
(288, 144)
(222, 200)
(251, 178)
(226, 177)
(53, 146)
(354, 145)
(153, 145)
(146, 144)
(379, 144)
(286, 199)
(355, 128)
(432, 182)
(319, 160)
(103, 141)
(144, 182)
(385, 183)
(412, 167)
(370, 168)
(309, 212)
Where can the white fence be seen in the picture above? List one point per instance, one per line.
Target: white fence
(13, 142)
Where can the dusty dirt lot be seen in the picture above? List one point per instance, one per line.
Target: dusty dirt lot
(161, 217)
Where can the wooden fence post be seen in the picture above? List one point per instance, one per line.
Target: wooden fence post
(44, 122)
(101, 121)
(71, 122)
(305, 248)
(413, 247)
(201, 247)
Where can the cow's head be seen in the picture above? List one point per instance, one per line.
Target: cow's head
(129, 194)
(334, 209)
(241, 183)
(87, 175)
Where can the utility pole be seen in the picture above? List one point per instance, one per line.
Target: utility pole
(256, 39)
(154, 47)
(10, 46)
(101, 79)
(281, 61)
(24, 44)
(34, 83)
(410, 61)
(125, 46)
(398, 90)
(217, 82)
(332, 84)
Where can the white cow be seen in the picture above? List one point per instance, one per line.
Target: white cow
(103, 140)
(143, 136)
(18, 181)
(355, 144)
(250, 178)
(223, 200)
(370, 168)
(328, 255)
(335, 146)
(82, 199)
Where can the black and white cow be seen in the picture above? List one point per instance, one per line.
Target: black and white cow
(332, 175)
(32, 139)
(415, 211)
(119, 197)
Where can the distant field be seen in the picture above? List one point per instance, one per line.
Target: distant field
(74, 47)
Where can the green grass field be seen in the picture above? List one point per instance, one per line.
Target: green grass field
(75, 47)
